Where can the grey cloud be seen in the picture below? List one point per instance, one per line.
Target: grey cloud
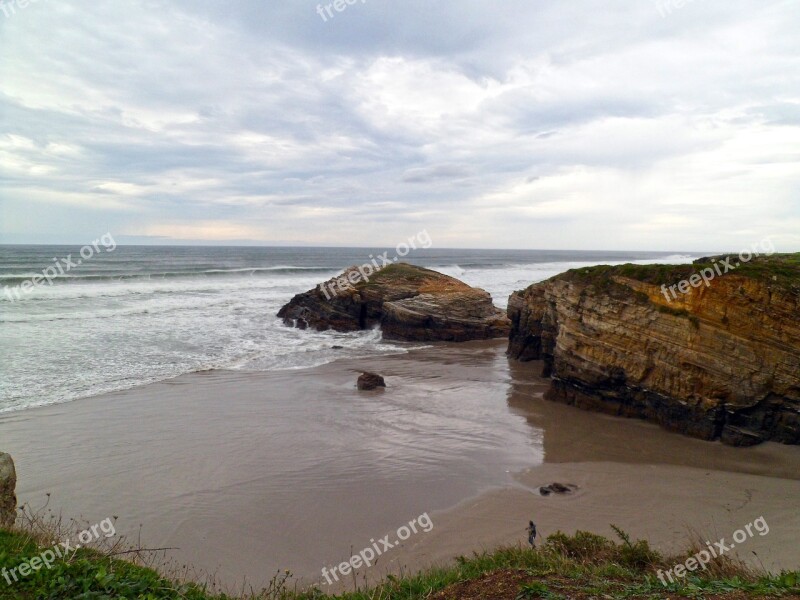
(427, 174)
(260, 112)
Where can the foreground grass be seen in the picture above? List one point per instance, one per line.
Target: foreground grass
(580, 566)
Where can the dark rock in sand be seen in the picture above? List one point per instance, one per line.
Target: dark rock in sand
(407, 302)
(557, 488)
(8, 483)
(370, 381)
(736, 436)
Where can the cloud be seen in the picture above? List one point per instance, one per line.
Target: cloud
(427, 174)
(597, 124)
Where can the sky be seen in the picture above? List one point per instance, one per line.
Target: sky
(580, 124)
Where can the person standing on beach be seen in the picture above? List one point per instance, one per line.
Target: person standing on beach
(531, 533)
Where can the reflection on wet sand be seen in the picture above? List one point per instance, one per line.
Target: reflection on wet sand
(574, 435)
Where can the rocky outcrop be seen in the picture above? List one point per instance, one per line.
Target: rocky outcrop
(8, 483)
(370, 381)
(406, 302)
(721, 361)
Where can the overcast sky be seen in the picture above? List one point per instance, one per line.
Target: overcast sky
(579, 124)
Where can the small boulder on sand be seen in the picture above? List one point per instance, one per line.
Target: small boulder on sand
(370, 381)
(557, 488)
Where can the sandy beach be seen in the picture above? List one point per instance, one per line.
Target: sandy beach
(214, 464)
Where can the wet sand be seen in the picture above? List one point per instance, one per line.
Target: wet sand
(667, 505)
(248, 473)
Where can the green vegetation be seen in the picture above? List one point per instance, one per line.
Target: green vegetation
(600, 280)
(779, 270)
(580, 566)
(782, 269)
(652, 274)
(400, 272)
(675, 312)
(87, 574)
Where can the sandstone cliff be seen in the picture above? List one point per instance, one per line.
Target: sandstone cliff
(719, 362)
(405, 301)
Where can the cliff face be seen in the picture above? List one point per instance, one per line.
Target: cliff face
(406, 302)
(719, 362)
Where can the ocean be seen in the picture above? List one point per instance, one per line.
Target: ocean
(139, 314)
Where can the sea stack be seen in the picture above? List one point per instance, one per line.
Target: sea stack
(407, 302)
(721, 361)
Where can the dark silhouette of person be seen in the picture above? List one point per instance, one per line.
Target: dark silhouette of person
(531, 534)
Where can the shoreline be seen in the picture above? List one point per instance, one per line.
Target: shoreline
(184, 458)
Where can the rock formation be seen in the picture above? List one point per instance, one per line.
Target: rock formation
(721, 361)
(406, 302)
(8, 483)
(370, 381)
(557, 488)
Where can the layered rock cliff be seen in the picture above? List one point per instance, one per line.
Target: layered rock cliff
(405, 301)
(721, 361)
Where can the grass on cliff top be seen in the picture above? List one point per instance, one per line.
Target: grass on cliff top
(580, 566)
(782, 270)
(404, 273)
